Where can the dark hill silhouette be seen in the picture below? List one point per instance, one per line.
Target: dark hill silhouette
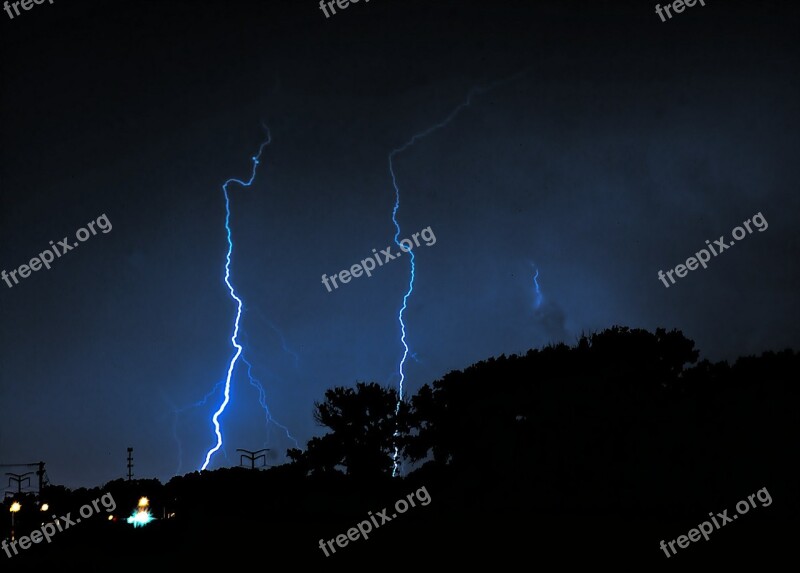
(585, 454)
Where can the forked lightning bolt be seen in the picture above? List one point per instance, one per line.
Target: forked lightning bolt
(235, 297)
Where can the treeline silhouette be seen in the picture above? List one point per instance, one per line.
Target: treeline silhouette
(566, 455)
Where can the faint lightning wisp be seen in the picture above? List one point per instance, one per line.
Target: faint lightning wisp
(262, 399)
(538, 301)
(280, 335)
(262, 393)
(234, 337)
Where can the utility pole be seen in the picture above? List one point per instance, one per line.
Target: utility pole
(19, 478)
(40, 473)
(130, 464)
(253, 456)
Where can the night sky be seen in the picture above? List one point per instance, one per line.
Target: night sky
(607, 145)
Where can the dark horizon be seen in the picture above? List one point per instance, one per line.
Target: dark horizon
(625, 430)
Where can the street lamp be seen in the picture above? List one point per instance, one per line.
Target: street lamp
(15, 507)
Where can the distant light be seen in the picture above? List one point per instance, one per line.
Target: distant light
(15, 507)
(144, 502)
(111, 518)
(45, 507)
(140, 518)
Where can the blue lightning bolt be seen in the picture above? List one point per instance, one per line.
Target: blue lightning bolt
(176, 412)
(234, 337)
(394, 153)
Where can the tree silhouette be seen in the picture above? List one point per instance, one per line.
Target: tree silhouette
(495, 412)
(362, 423)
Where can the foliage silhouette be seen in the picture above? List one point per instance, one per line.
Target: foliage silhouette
(566, 454)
